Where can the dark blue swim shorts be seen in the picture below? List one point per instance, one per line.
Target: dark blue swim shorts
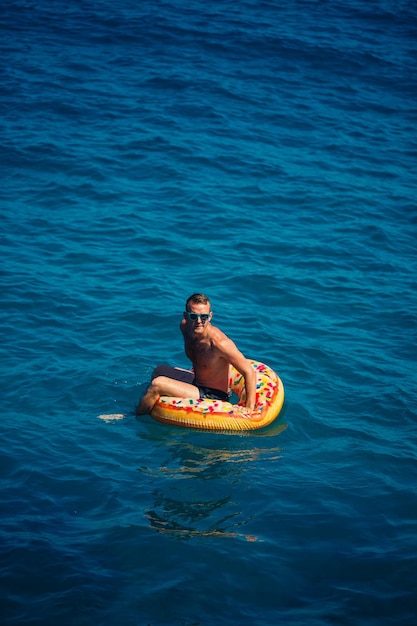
(213, 394)
(186, 376)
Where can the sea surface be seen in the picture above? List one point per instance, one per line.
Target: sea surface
(263, 152)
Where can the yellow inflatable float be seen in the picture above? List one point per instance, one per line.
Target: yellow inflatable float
(218, 415)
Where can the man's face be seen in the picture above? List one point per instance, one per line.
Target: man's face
(198, 317)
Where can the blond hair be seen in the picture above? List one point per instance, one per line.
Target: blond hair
(197, 298)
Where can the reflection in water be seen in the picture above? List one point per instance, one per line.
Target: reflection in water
(180, 519)
(206, 464)
(207, 505)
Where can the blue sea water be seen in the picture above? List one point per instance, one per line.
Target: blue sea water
(263, 152)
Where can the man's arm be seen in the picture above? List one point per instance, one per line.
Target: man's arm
(249, 375)
(231, 353)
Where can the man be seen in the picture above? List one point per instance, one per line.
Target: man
(211, 353)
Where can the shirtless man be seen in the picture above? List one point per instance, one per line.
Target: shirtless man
(211, 352)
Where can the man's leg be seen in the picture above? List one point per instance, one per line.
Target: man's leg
(177, 373)
(164, 386)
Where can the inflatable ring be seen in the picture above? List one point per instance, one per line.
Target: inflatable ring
(218, 415)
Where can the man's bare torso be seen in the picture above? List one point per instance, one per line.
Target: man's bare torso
(210, 368)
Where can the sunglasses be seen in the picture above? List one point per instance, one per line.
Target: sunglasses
(193, 317)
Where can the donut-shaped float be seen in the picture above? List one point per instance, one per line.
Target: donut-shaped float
(210, 414)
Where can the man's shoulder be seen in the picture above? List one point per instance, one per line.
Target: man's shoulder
(217, 336)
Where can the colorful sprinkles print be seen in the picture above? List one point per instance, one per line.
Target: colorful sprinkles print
(210, 414)
(265, 390)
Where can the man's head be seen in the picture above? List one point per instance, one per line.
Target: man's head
(197, 298)
(198, 310)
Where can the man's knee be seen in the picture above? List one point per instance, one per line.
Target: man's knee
(157, 384)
